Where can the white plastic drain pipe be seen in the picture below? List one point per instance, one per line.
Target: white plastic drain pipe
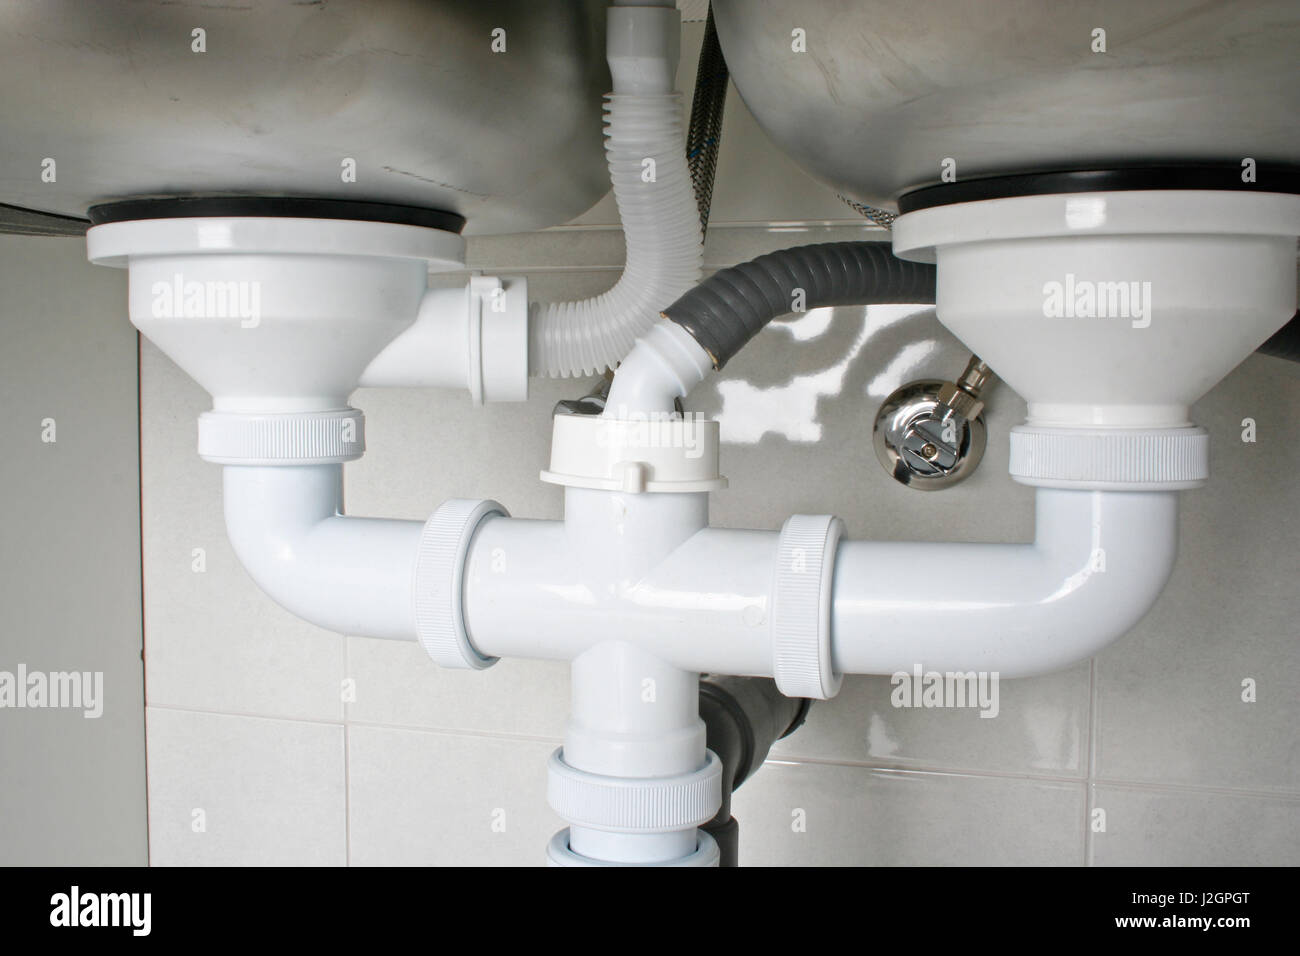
(346, 574)
(633, 718)
(699, 598)
(704, 608)
(1097, 563)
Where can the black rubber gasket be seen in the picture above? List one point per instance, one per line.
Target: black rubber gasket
(1269, 178)
(190, 207)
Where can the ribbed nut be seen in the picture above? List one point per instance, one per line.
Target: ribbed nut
(438, 579)
(1117, 458)
(295, 438)
(960, 401)
(801, 607)
(634, 804)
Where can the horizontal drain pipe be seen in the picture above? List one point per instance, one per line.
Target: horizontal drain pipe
(705, 599)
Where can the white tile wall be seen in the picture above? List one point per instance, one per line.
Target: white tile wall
(1152, 826)
(818, 814)
(425, 799)
(247, 791)
(1153, 730)
(1170, 706)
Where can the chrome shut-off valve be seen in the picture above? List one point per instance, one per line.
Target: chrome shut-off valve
(930, 434)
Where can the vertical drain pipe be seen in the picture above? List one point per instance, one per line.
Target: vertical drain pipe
(635, 718)
(633, 779)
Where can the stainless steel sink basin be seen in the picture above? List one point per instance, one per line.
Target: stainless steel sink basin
(286, 92)
(889, 89)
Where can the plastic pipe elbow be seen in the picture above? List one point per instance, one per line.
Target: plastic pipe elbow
(348, 575)
(663, 366)
(1098, 563)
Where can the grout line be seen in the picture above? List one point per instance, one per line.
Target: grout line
(709, 266)
(930, 769)
(144, 669)
(347, 796)
(1090, 791)
(246, 715)
(460, 732)
(919, 769)
(347, 759)
(778, 225)
(495, 266)
(1148, 785)
(935, 770)
(351, 722)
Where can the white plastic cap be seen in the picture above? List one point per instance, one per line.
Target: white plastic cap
(647, 455)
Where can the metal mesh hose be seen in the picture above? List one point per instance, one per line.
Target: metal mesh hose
(704, 136)
(881, 217)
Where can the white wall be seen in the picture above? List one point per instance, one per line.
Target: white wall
(72, 789)
(247, 724)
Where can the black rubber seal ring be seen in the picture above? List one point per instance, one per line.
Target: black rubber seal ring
(190, 207)
(1269, 178)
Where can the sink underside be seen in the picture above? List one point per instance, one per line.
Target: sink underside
(887, 90)
(413, 92)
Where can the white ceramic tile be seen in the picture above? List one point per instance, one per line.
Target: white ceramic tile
(215, 641)
(591, 249)
(797, 407)
(397, 684)
(853, 816)
(1170, 705)
(600, 248)
(271, 792)
(730, 243)
(1153, 827)
(1041, 726)
(428, 799)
